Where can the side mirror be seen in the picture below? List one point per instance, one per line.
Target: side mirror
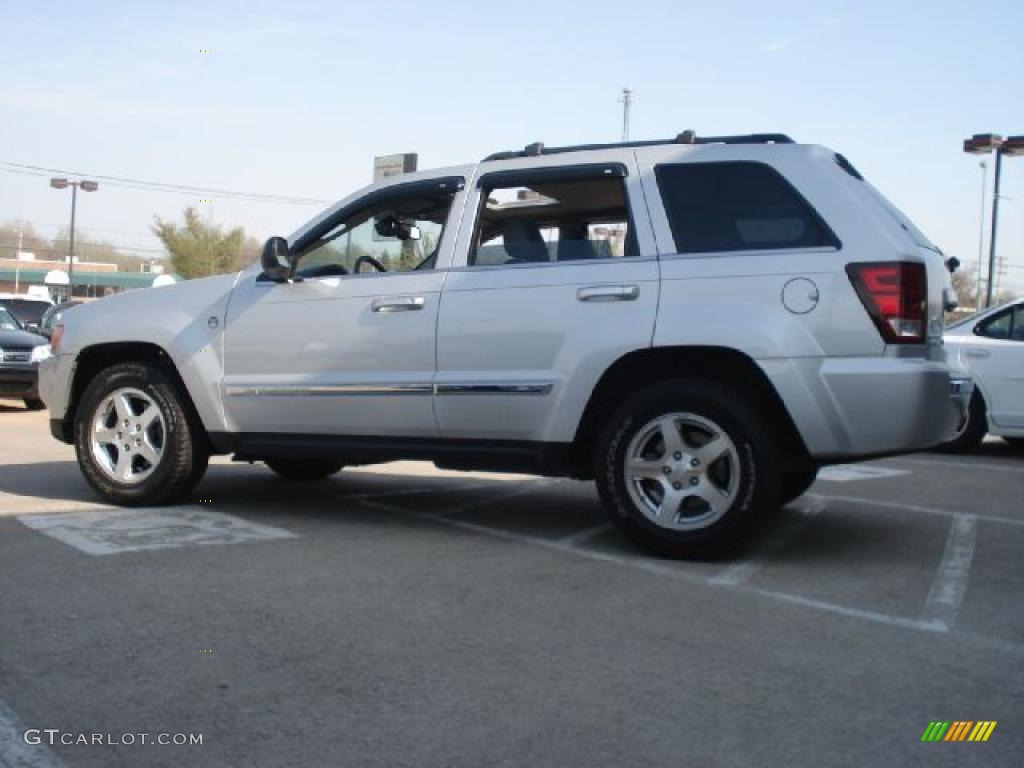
(276, 260)
(952, 264)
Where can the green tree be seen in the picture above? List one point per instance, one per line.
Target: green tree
(965, 283)
(199, 248)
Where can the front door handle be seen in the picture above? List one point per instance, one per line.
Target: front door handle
(979, 353)
(608, 293)
(388, 304)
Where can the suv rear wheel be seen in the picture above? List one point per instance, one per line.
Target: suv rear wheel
(136, 442)
(304, 469)
(687, 468)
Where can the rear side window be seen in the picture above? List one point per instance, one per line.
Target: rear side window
(714, 207)
(550, 219)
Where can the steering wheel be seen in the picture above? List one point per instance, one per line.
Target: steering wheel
(369, 260)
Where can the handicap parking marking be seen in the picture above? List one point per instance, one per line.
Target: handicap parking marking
(844, 473)
(111, 532)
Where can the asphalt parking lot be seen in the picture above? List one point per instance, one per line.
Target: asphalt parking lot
(400, 615)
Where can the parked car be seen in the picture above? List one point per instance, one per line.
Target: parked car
(989, 347)
(52, 316)
(20, 355)
(28, 309)
(696, 324)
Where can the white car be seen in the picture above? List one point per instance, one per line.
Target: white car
(697, 324)
(989, 347)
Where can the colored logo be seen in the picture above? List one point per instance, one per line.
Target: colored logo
(958, 730)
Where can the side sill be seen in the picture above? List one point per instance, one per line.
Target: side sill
(549, 459)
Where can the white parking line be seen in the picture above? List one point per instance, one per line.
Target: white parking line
(951, 577)
(960, 463)
(773, 545)
(14, 752)
(844, 473)
(914, 508)
(656, 567)
(579, 537)
(857, 613)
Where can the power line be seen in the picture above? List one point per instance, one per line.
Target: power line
(159, 186)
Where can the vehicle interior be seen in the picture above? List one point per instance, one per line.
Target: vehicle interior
(554, 221)
(396, 235)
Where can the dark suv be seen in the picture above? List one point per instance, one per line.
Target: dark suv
(20, 354)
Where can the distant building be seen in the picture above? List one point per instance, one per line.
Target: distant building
(93, 279)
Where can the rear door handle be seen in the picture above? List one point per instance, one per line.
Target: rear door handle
(388, 304)
(608, 293)
(979, 353)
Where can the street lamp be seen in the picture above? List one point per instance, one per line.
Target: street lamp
(87, 186)
(983, 144)
(981, 234)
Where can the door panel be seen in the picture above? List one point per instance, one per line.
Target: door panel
(343, 351)
(315, 356)
(994, 356)
(522, 345)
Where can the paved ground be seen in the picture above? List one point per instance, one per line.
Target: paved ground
(404, 616)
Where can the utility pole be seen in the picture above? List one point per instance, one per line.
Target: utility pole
(627, 101)
(17, 256)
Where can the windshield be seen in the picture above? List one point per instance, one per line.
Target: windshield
(26, 310)
(7, 321)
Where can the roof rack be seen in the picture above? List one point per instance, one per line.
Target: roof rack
(686, 137)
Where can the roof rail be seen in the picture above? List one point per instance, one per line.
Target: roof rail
(686, 137)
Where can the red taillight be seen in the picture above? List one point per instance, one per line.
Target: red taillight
(895, 294)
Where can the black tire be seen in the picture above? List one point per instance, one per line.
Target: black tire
(304, 469)
(795, 484)
(185, 452)
(972, 431)
(34, 404)
(756, 489)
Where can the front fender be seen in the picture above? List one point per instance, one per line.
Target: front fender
(185, 321)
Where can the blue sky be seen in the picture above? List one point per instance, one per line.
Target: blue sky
(296, 98)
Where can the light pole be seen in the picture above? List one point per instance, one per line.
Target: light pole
(983, 144)
(87, 186)
(981, 233)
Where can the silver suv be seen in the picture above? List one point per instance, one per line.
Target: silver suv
(697, 324)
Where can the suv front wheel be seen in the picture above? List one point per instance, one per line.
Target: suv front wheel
(135, 439)
(687, 468)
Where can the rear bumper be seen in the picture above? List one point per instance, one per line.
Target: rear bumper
(847, 408)
(19, 381)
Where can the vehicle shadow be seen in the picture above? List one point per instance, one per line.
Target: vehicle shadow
(535, 508)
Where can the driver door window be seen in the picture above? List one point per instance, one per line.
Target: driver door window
(398, 235)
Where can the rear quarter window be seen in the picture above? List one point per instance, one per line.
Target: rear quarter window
(737, 206)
